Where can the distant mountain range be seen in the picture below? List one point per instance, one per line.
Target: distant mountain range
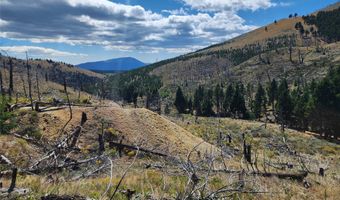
(113, 65)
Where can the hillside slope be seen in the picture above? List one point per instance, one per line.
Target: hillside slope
(50, 76)
(134, 126)
(235, 60)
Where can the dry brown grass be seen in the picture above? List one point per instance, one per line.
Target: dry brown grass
(137, 126)
(161, 133)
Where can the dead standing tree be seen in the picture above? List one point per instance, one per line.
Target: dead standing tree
(37, 81)
(10, 88)
(1, 82)
(12, 188)
(69, 106)
(28, 67)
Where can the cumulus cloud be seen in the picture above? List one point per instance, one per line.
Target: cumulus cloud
(125, 27)
(37, 51)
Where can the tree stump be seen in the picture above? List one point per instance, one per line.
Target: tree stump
(36, 107)
(14, 179)
(83, 118)
(321, 172)
(229, 138)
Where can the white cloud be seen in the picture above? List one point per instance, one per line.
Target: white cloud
(37, 51)
(180, 11)
(229, 5)
(124, 27)
(115, 8)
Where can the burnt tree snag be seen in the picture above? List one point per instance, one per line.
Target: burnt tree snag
(290, 50)
(321, 172)
(76, 133)
(101, 143)
(1, 83)
(36, 107)
(83, 118)
(13, 181)
(37, 82)
(229, 138)
(4, 160)
(246, 150)
(28, 67)
(10, 88)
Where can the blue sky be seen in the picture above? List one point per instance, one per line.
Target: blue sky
(76, 31)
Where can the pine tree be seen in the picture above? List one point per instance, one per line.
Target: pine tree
(300, 99)
(7, 120)
(227, 99)
(272, 93)
(284, 103)
(260, 101)
(238, 105)
(207, 104)
(198, 98)
(218, 93)
(180, 101)
(190, 105)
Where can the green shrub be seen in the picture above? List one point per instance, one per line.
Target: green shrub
(29, 124)
(7, 119)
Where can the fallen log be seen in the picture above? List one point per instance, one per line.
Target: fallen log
(75, 135)
(5, 161)
(30, 140)
(293, 176)
(113, 144)
(63, 197)
(298, 176)
(61, 166)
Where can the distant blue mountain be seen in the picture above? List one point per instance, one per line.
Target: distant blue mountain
(115, 65)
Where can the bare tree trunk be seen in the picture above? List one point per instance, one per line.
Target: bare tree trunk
(36, 106)
(290, 50)
(69, 107)
(101, 143)
(77, 131)
(147, 103)
(75, 136)
(13, 182)
(37, 80)
(1, 83)
(282, 121)
(10, 89)
(29, 82)
(83, 118)
(321, 172)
